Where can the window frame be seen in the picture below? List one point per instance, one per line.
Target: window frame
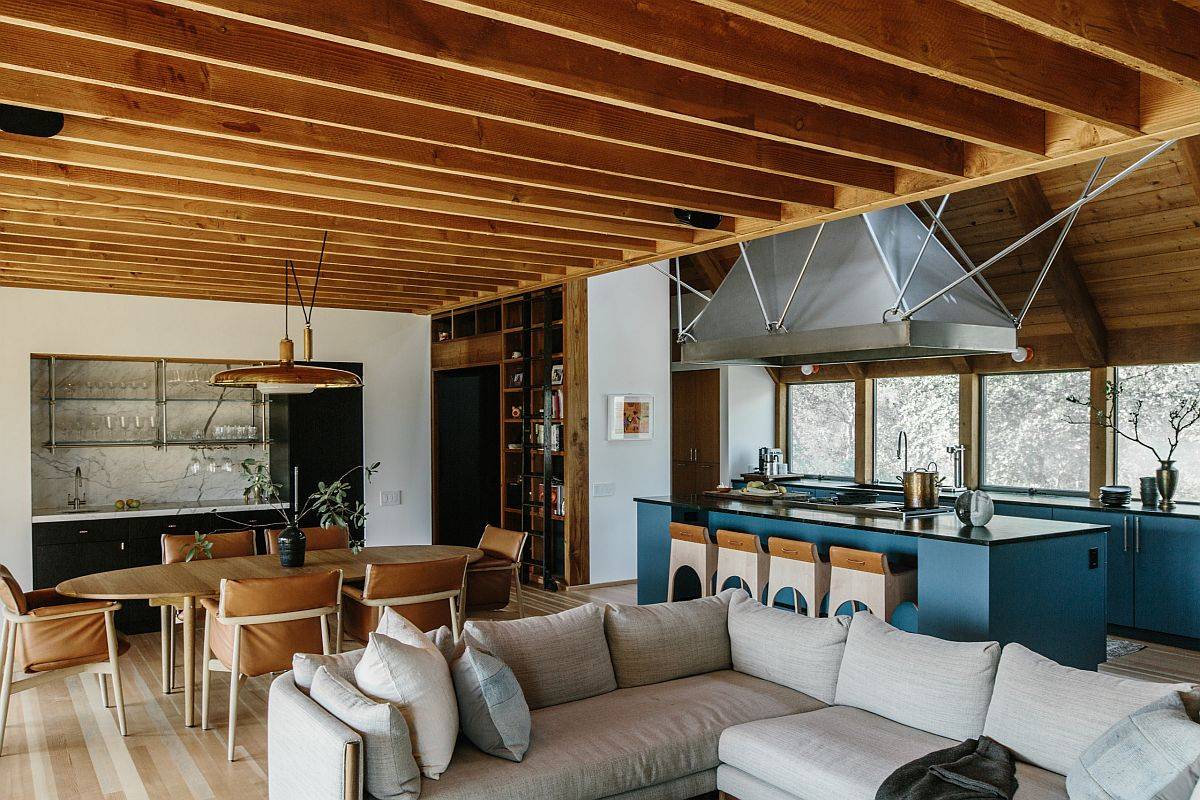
(875, 481)
(788, 429)
(982, 465)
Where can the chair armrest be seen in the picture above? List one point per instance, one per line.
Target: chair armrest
(67, 610)
(310, 753)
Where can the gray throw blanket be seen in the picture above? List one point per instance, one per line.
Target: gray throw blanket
(977, 769)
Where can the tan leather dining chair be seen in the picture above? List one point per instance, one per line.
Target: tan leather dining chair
(175, 549)
(47, 636)
(490, 579)
(331, 538)
(425, 593)
(256, 625)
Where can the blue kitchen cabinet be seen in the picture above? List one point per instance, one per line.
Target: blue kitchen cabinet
(1119, 558)
(1167, 574)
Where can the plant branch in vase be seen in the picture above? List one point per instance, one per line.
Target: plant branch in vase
(330, 502)
(1128, 424)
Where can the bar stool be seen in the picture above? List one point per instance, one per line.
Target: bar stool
(869, 578)
(741, 555)
(691, 547)
(797, 565)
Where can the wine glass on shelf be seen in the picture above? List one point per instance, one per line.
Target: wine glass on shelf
(227, 464)
(193, 467)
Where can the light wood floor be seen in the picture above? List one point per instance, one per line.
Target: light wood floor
(62, 744)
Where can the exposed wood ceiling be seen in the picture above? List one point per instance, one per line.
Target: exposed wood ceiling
(456, 149)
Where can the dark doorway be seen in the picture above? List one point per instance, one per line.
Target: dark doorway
(467, 453)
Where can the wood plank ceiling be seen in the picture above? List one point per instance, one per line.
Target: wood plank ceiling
(459, 149)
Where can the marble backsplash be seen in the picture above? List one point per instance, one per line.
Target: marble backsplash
(115, 402)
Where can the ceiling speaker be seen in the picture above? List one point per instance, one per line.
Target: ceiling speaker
(698, 219)
(30, 121)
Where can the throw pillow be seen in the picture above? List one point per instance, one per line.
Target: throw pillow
(396, 626)
(665, 641)
(557, 658)
(1152, 754)
(413, 676)
(305, 666)
(390, 772)
(492, 711)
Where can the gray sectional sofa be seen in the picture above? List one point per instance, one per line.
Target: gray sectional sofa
(672, 701)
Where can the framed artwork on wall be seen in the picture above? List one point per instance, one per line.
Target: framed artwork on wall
(630, 417)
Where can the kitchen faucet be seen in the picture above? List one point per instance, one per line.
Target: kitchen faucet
(80, 499)
(902, 446)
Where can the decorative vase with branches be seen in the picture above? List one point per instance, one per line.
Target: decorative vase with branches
(330, 503)
(1125, 419)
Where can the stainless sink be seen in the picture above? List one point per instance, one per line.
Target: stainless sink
(890, 510)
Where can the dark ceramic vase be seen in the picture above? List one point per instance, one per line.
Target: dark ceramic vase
(291, 547)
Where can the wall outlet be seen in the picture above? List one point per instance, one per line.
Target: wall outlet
(389, 498)
(604, 489)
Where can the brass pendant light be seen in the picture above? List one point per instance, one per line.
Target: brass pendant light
(288, 377)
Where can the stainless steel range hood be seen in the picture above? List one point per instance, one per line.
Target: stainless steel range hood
(847, 282)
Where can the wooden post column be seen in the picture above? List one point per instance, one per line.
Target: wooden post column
(864, 430)
(1101, 440)
(969, 420)
(576, 563)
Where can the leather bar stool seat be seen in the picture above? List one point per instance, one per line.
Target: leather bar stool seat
(797, 565)
(741, 555)
(691, 548)
(869, 578)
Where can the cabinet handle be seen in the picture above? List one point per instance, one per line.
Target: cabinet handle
(122, 545)
(83, 530)
(1137, 534)
(1125, 532)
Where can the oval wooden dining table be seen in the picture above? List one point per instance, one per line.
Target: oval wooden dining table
(186, 581)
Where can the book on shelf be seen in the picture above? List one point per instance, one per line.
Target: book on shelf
(555, 438)
(558, 497)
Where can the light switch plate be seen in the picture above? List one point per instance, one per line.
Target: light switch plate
(604, 489)
(389, 498)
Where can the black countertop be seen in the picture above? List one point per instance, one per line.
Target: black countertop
(1181, 510)
(946, 527)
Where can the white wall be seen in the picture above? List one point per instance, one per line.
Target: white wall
(629, 351)
(749, 410)
(394, 350)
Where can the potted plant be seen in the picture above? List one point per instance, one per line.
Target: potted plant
(330, 502)
(1184, 414)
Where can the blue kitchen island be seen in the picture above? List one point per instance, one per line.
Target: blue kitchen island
(1038, 582)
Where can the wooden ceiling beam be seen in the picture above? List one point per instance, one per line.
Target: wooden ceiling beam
(640, 200)
(948, 40)
(214, 219)
(688, 36)
(226, 180)
(101, 180)
(15, 277)
(507, 274)
(1158, 37)
(301, 77)
(1065, 280)
(50, 247)
(272, 247)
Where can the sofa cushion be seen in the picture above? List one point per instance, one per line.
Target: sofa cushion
(665, 641)
(389, 770)
(557, 658)
(492, 712)
(620, 741)
(305, 666)
(796, 651)
(1152, 753)
(1048, 714)
(932, 684)
(1033, 782)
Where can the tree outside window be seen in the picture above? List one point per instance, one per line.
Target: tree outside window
(821, 429)
(926, 409)
(1027, 441)
(1159, 388)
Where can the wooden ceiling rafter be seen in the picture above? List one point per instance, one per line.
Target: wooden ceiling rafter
(462, 149)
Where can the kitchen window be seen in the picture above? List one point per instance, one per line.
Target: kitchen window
(821, 429)
(1159, 388)
(1027, 442)
(926, 409)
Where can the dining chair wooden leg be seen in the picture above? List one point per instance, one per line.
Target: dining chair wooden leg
(455, 629)
(326, 648)
(234, 685)
(10, 654)
(206, 657)
(166, 623)
(103, 690)
(189, 661)
(338, 636)
(520, 599)
(110, 630)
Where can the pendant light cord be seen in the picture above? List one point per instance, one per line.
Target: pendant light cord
(290, 266)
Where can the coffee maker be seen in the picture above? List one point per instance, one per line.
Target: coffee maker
(770, 461)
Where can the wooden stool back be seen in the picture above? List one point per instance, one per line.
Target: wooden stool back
(691, 547)
(868, 577)
(741, 555)
(797, 565)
